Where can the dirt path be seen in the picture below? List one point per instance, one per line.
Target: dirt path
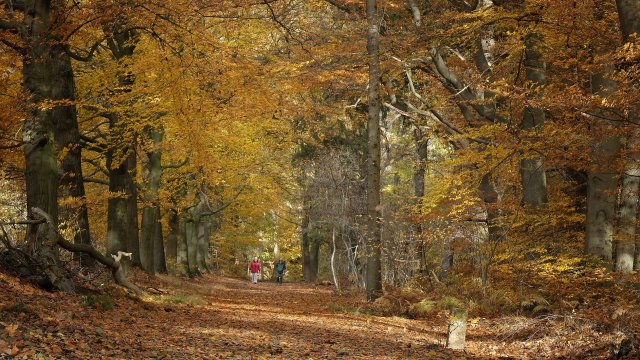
(294, 321)
(221, 318)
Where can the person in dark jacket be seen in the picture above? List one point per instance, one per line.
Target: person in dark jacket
(280, 268)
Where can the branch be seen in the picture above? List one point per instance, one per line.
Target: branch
(10, 26)
(340, 6)
(15, 47)
(5, 147)
(116, 269)
(178, 164)
(89, 55)
(415, 12)
(461, 90)
(95, 181)
(225, 205)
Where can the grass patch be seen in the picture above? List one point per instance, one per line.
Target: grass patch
(192, 300)
(449, 302)
(335, 308)
(422, 309)
(18, 307)
(101, 302)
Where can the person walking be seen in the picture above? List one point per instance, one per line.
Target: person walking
(280, 267)
(254, 269)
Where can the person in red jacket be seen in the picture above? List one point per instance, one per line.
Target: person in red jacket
(254, 269)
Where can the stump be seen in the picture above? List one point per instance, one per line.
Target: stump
(457, 329)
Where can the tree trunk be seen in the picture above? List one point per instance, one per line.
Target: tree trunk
(533, 176)
(68, 142)
(626, 239)
(602, 184)
(204, 234)
(117, 215)
(133, 240)
(305, 237)
(151, 245)
(44, 60)
(627, 246)
(374, 213)
(422, 148)
(629, 15)
(172, 240)
(159, 258)
(182, 262)
(191, 235)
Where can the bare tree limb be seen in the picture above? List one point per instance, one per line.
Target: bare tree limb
(233, 199)
(116, 268)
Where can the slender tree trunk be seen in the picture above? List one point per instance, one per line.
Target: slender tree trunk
(172, 241)
(133, 240)
(333, 259)
(422, 146)
(71, 180)
(627, 249)
(204, 234)
(374, 213)
(159, 258)
(306, 238)
(191, 235)
(533, 176)
(491, 197)
(182, 261)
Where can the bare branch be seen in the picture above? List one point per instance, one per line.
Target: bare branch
(116, 269)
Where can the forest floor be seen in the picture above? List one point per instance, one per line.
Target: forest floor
(215, 317)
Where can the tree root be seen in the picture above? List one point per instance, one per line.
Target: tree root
(112, 263)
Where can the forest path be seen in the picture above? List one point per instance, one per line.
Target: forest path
(241, 320)
(213, 317)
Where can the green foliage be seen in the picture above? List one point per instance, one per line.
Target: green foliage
(449, 302)
(423, 309)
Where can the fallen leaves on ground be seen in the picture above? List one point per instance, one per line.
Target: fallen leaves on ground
(221, 318)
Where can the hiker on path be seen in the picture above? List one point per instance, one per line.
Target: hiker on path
(254, 269)
(280, 268)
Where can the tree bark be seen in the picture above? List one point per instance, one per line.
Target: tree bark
(121, 160)
(133, 240)
(172, 241)
(43, 61)
(602, 184)
(152, 255)
(626, 239)
(117, 212)
(629, 15)
(204, 235)
(532, 173)
(421, 145)
(68, 143)
(182, 262)
(627, 249)
(374, 213)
